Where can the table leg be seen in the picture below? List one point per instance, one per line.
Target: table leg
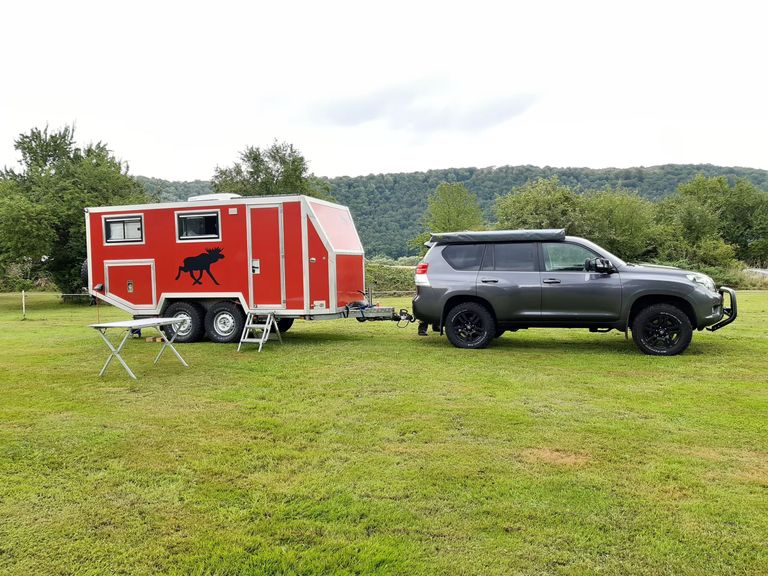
(169, 344)
(115, 352)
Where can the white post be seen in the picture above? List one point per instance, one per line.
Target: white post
(23, 305)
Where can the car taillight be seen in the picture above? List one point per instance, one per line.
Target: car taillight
(421, 274)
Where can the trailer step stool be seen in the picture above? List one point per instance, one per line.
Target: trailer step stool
(266, 330)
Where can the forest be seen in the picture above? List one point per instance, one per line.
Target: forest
(388, 208)
(705, 217)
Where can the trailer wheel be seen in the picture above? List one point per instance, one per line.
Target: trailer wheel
(192, 329)
(84, 273)
(284, 324)
(224, 322)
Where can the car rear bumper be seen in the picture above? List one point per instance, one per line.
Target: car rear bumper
(729, 313)
(427, 304)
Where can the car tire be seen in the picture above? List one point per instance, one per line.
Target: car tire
(284, 324)
(499, 332)
(662, 330)
(224, 322)
(470, 325)
(192, 330)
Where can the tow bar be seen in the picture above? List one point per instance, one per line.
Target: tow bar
(363, 312)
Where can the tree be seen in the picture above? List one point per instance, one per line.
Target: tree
(620, 221)
(279, 169)
(740, 210)
(41, 205)
(541, 203)
(450, 208)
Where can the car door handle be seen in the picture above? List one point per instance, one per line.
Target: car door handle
(489, 280)
(551, 281)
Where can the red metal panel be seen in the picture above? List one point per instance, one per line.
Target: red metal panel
(132, 283)
(265, 247)
(338, 226)
(293, 247)
(350, 283)
(318, 270)
(181, 266)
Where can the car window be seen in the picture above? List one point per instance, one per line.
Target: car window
(564, 257)
(515, 256)
(463, 256)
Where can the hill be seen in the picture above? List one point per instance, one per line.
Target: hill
(388, 207)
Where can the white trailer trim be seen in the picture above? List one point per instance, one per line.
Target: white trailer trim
(207, 204)
(305, 253)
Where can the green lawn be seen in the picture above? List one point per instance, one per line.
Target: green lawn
(361, 448)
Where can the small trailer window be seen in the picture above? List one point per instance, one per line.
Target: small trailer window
(198, 226)
(123, 229)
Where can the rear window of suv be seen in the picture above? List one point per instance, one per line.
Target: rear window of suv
(464, 256)
(512, 257)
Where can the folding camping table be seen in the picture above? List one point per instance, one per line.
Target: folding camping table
(129, 326)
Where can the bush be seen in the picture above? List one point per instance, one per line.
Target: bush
(757, 253)
(384, 278)
(24, 275)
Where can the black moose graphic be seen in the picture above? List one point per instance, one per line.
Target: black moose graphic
(201, 263)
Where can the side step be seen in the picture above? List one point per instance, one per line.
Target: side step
(265, 330)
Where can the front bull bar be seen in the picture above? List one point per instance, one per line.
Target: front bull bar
(729, 312)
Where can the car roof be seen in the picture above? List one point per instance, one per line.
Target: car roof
(497, 236)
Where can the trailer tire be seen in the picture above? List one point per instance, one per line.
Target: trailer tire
(192, 329)
(284, 324)
(84, 273)
(224, 322)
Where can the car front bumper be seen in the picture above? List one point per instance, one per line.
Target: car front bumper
(729, 312)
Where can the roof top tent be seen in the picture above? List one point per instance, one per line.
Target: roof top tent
(220, 256)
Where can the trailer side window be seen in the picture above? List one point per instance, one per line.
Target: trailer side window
(123, 229)
(198, 226)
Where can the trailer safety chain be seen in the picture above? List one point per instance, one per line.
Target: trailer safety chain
(404, 318)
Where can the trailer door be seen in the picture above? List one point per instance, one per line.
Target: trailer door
(267, 265)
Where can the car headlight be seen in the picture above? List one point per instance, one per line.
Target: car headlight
(704, 280)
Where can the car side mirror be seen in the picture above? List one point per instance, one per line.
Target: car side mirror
(600, 265)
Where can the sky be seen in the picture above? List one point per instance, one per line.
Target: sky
(178, 88)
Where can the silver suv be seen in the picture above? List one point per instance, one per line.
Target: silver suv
(474, 286)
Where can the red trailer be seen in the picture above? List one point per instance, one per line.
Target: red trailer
(217, 257)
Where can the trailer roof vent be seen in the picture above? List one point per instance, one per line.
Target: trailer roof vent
(213, 197)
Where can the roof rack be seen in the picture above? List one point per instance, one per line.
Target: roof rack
(497, 236)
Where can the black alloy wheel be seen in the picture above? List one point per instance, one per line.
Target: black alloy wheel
(662, 330)
(470, 325)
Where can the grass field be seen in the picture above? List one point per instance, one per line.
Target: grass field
(364, 449)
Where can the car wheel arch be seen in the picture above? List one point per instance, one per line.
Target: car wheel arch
(459, 298)
(646, 300)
